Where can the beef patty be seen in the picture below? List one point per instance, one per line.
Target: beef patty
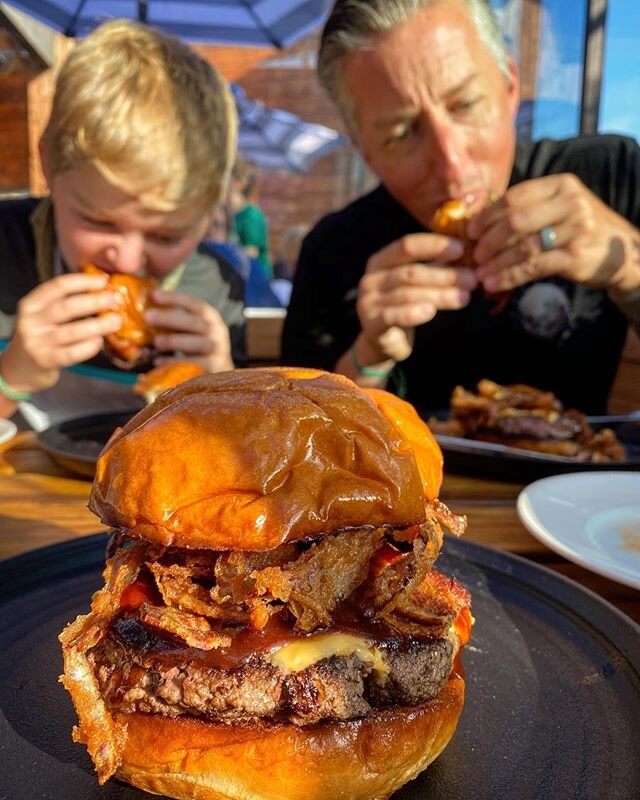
(139, 678)
(537, 427)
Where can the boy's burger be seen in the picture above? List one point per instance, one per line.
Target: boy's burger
(131, 345)
(271, 625)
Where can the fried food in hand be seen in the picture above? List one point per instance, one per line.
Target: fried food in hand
(131, 344)
(451, 219)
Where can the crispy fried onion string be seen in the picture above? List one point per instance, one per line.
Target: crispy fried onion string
(177, 586)
(103, 737)
(323, 576)
(193, 630)
(393, 595)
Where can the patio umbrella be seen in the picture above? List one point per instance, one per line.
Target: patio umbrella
(257, 23)
(276, 139)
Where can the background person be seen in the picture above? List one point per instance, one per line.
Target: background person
(251, 229)
(220, 242)
(136, 153)
(430, 95)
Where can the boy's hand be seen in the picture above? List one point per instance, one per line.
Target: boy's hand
(191, 327)
(56, 327)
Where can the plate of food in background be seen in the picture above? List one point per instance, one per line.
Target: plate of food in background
(521, 433)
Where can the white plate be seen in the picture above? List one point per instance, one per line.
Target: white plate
(7, 430)
(591, 518)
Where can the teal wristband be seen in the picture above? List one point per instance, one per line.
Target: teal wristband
(367, 372)
(7, 391)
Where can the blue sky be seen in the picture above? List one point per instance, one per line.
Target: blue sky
(620, 106)
(561, 55)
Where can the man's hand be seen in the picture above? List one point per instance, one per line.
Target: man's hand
(405, 284)
(56, 327)
(593, 246)
(192, 328)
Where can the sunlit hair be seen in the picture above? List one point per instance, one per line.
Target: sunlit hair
(155, 119)
(353, 24)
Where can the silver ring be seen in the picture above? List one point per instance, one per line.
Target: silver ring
(548, 238)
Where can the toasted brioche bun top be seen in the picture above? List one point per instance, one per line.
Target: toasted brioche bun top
(250, 459)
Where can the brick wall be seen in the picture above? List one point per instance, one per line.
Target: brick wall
(14, 142)
(288, 81)
(14, 164)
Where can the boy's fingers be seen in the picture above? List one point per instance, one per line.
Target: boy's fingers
(176, 319)
(77, 353)
(183, 343)
(77, 306)
(438, 298)
(74, 332)
(42, 298)
(179, 299)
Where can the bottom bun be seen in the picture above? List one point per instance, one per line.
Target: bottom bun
(365, 759)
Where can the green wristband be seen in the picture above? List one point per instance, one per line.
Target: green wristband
(7, 391)
(367, 372)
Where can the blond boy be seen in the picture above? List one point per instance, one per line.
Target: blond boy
(137, 153)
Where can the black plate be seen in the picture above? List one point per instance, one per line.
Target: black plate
(553, 685)
(77, 443)
(500, 462)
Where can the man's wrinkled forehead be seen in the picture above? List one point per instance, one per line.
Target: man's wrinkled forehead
(432, 57)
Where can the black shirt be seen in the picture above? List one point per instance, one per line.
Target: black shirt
(553, 334)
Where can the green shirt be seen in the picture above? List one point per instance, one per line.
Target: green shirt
(252, 231)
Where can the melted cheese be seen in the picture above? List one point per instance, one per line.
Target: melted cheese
(301, 654)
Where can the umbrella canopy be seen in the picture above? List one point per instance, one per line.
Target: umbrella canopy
(276, 139)
(258, 23)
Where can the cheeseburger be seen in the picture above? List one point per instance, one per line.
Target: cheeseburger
(271, 624)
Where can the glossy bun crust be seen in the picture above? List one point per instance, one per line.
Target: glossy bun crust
(250, 459)
(131, 345)
(364, 759)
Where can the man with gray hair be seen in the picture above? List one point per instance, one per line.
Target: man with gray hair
(429, 94)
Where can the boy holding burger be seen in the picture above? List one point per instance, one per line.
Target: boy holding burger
(137, 153)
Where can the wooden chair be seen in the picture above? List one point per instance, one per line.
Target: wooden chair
(625, 394)
(264, 329)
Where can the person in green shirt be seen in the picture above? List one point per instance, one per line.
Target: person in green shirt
(250, 224)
